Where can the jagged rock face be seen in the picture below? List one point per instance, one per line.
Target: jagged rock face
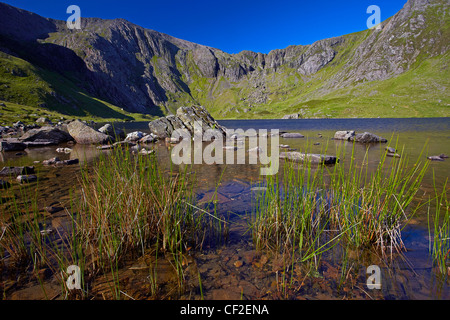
(141, 70)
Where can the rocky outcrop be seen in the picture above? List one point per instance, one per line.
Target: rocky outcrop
(185, 119)
(84, 134)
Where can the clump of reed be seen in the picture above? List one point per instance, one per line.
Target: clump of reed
(124, 205)
(439, 231)
(308, 209)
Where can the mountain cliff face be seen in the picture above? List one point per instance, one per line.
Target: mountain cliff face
(145, 71)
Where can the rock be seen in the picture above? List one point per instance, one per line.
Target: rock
(27, 178)
(238, 263)
(393, 154)
(173, 140)
(46, 135)
(39, 143)
(368, 137)
(12, 145)
(71, 162)
(51, 161)
(255, 150)
(4, 184)
(184, 119)
(19, 125)
(146, 152)
(57, 162)
(106, 147)
(134, 136)
(109, 130)
(43, 120)
(344, 135)
(63, 150)
(291, 116)
(150, 138)
(311, 157)
(288, 135)
(435, 158)
(53, 210)
(284, 146)
(15, 171)
(390, 150)
(83, 134)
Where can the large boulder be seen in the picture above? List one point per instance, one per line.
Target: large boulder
(84, 134)
(184, 119)
(46, 136)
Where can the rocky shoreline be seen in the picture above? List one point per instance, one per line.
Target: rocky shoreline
(20, 137)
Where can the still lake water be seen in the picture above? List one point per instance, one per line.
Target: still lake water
(411, 277)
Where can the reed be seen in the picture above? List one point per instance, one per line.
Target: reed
(308, 209)
(439, 231)
(124, 204)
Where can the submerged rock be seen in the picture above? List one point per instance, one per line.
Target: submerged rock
(15, 171)
(435, 158)
(289, 135)
(84, 134)
(27, 178)
(12, 145)
(310, 157)
(57, 162)
(4, 184)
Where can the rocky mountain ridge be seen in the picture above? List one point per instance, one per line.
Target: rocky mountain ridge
(146, 71)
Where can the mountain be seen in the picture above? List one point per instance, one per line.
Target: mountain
(116, 69)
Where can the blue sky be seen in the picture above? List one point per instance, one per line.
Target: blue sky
(232, 25)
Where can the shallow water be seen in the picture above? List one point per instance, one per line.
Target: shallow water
(409, 277)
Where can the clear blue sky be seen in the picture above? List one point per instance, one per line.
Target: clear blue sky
(232, 25)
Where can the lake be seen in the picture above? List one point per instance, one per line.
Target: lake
(408, 276)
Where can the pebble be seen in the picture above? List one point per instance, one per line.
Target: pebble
(238, 263)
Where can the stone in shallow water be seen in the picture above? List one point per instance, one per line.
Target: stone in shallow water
(291, 135)
(15, 171)
(311, 157)
(27, 178)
